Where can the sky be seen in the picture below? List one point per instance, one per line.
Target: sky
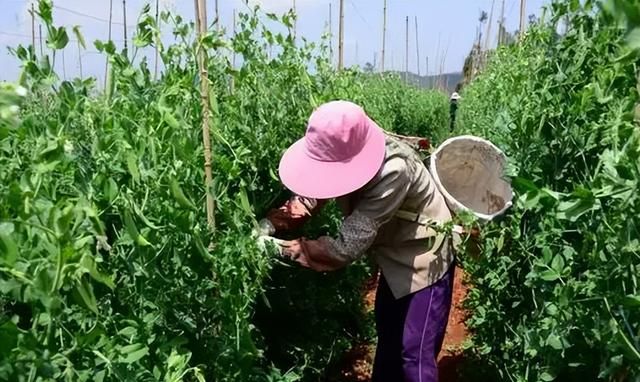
(446, 28)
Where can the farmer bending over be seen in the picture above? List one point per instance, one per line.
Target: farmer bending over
(387, 197)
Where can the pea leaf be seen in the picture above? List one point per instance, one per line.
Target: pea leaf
(546, 377)
(549, 275)
(631, 301)
(133, 353)
(558, 263)
(554, 341)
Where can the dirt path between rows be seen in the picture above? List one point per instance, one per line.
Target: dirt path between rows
(358, 361)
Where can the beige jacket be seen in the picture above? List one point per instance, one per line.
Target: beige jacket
(386, 218)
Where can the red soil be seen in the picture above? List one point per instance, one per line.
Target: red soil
(358, 361)
(451, 356)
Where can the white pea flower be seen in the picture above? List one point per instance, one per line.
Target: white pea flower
(68, 147)
(102, 244)
(21, 91)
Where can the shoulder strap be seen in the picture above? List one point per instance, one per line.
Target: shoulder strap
(423, 220)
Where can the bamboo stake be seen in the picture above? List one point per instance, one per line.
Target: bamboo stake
(487, 37)
(233, 56)
(106, 65)
(40, 37)
(124, 22)
(64, 69)
(33, 29)
(341, 37)
(384, 35)
(442, 64)
(444, 59)
(501, 30)
(406, 52)
(417, 48)
(201, 22)
(232, 84)
(217, 16)
(357, 58)
(523, 6)
(295, 21)
(435, 63)
(439, 69)
(330, 35)
(427, 68)
(155, 68)
(80, 58)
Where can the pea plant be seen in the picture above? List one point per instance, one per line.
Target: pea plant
(555, 292)
(108, 271)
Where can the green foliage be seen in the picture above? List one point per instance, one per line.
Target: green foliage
(555, 292)
(106, 273)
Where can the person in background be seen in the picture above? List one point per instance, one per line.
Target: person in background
(453, 106)
(391, 207)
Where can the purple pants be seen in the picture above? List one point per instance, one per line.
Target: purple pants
(410, 331)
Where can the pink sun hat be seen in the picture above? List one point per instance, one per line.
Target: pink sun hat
(341, 151)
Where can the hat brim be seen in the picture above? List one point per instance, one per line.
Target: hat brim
(316, 179)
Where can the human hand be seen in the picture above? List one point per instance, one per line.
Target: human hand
(294, 250)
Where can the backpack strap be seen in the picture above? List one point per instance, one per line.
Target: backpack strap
(423, 220)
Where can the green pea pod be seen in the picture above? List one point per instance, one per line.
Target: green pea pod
(144, 219)
(179, 195)
(201, 248)
(132, 166)
(171, 120)
(142, 241)
(133, 230)
(8, 249)
(244, 202)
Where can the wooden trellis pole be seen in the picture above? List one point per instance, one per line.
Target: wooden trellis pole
(341, 37)
(80, 58)
(33, 28)
(384, 35)
(106, 65)
(124, 24)
(427, 66)
(330, 34)
(233, 56)
(501, 30)
(487, 38)
(417, 48)
(232, 84)
(201, 26)
(155, 67)
(64, 66)
(406, 52)
(435, 67)
(523, 6)
(217, 16)
(442, 65)
(40, 38)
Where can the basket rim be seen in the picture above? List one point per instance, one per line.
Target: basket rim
(448, 197)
